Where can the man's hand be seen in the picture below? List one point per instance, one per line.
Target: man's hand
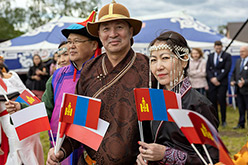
(215, 81)
(241, 82)
(53, 159)
(233, 83)
(12, 106)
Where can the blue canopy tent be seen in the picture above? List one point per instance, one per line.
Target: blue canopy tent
(44, 40)
(196, 33)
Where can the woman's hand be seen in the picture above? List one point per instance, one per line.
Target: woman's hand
(151, 152)
(53, 159)
(12, 106)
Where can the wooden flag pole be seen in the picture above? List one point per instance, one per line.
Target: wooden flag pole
(198, 153)
(206, 151)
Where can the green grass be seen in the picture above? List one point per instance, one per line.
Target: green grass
(233, 139)
(45, 143)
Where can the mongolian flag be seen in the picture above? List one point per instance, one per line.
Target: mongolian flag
(80, 110)
(30, 120)
(197, 129)
(152, 104)
(27, 97)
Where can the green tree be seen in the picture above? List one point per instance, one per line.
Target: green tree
(7, 30)
(222, 29)
(39, 12)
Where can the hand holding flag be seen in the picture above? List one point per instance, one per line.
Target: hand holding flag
(197, 129)
(30, 120)
(79, 110)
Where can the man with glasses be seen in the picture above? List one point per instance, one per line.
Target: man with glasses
(81, 47)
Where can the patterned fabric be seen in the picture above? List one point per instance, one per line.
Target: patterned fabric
(119, 145)
(173, 156)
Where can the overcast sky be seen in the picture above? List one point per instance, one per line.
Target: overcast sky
(210, 12)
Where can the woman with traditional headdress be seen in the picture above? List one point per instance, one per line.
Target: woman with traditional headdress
(169, 55)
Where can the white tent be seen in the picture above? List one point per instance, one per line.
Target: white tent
(196, 33)
(44, 40)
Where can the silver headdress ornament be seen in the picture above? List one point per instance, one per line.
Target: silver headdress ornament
(169, 47)
(176, 79)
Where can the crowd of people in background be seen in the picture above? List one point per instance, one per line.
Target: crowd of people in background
(79, 67)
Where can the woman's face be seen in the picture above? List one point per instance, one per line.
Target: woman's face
(195, 54)
(163, 63)
(36, 60)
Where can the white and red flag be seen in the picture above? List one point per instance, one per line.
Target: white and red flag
(30, 120)
(197, 129)
(88, 136)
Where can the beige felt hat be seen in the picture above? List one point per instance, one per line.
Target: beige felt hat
(111, 12)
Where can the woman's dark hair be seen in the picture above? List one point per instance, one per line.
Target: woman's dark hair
(39, 58)
(62, 43)
(173, 39)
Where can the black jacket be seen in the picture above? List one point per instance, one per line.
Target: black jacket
(170, 135)
(222, 69)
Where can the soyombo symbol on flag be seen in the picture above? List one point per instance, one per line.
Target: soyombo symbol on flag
(27, 97)
(152, 104)
(30, 120)
(197, 129)
(80, 110)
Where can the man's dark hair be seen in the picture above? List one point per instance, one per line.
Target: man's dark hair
(217, 43)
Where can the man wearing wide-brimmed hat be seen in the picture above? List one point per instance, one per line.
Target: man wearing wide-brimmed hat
(113, 75)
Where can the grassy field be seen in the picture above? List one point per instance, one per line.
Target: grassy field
(233, 139)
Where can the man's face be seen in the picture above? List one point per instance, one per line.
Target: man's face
(218, 48)
(81, 48)
(243, 52)
(115, 36)
(1, 61)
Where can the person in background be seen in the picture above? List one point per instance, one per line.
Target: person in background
(53, 65)
(218, 67)
(37, 76)
(28, 151)
(5, 69)
(63, 58)
(197, 71)
(239, 79)
(169, 55)
(111, 77)
(81, 47)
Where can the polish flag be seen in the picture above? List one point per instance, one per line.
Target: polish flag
(30, 120)
(88, 136)
(197, 129)
(186, 126)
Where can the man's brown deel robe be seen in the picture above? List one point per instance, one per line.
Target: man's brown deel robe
(119, 145)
